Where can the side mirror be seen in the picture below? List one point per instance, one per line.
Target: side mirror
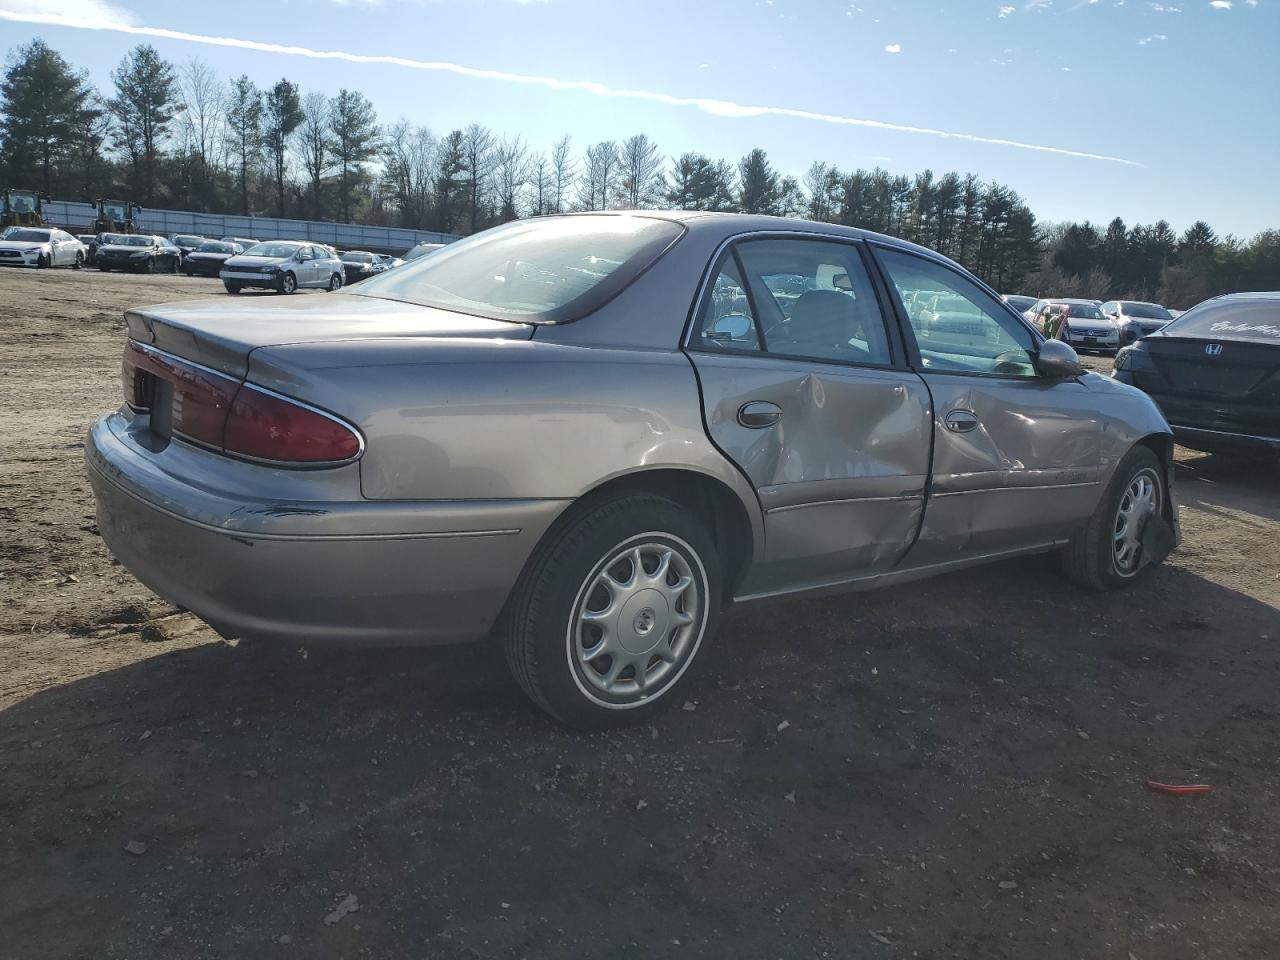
(1058, 361)
(733, 326)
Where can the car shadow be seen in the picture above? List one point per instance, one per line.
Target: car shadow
(835, 766)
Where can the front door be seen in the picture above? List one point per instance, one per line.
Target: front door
(1016, 459)
(803, 388)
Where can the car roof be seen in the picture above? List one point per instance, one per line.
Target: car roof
(1080, 301)
(1262, 295)
(1141, 303)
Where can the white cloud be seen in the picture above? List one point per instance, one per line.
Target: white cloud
(89, 11)
(1154, 38)
(1007, 12)
(1220, 4)
(719, 108)
(893, 48)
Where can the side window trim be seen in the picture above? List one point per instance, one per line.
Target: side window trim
(756, 323)
(908, 332)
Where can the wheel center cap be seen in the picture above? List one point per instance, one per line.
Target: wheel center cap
(644, 622)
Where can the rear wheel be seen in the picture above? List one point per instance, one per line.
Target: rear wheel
(1108, 552)
(611, 612)
(79, 261)
(335, 282)
(232, 286)
(150, 266)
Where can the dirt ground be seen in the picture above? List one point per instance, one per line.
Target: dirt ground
(947, 769)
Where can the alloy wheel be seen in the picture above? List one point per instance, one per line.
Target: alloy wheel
(1140, 502)
(637, 620)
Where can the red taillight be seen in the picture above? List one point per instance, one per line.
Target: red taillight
(269, 427)
(239, 419)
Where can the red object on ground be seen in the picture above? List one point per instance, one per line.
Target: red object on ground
(1178, 789)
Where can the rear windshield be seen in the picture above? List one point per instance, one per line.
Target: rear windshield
(1145, 311)
(28, 236)
(350, 257)
(272, 249)
(535, 271)
(1257, 320)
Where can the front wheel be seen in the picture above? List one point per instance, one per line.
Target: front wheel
(232, 286)
(288, 283)
(44, 262)
(612, 610)
(1113, 548)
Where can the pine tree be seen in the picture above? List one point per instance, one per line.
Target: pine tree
(282, 115)
(757, 184)
(143, 107)
(44, 109)
(353, 142)
(244, 131)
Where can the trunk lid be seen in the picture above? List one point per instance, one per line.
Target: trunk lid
(222, 333)
(1214, 384)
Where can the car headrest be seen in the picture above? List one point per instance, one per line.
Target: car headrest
(824, 316)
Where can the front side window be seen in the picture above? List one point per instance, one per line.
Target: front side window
(544, 270)
(815, 300)
(962, 329)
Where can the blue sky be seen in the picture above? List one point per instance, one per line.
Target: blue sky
(1184, 90)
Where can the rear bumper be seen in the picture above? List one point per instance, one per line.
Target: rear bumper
(349, 573)
(1224, 441)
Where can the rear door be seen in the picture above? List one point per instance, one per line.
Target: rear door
(804, 388)
(1016, 457)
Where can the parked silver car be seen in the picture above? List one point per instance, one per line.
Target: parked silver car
(586, 435)
(1134, 319)
(285, 266)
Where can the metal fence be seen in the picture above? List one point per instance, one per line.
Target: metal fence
(78, 218)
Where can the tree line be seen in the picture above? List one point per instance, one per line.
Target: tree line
(181, 136)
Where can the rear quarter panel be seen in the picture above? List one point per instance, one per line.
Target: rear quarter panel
(447, 419)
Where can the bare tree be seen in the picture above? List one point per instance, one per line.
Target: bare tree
(244, 131)
(596, 184)
(540, 179)
(564, 170)
(312, 138)
(510, 176)
(478, 158)
(641, 164)
(203, 99)
(409, 157)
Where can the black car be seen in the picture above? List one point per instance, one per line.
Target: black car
(207, 259)
(1215, 372)
(137, 251)
(360, 265)
(186, 242)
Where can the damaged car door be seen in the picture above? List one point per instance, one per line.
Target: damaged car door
(805, 388)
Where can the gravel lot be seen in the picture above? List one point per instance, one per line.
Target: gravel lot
(947, 769)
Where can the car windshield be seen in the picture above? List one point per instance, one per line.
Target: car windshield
(215, 246)
(1257, 320)
(274, 249)
(108, 238)
(540, 271)
(1020, 303)
(1084, 311)
(1145, 311)
(355, 257)
(187, 240)
(28, 236)
(133, 241)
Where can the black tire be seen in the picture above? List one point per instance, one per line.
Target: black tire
(287, 284)
(335, 282)
(537, 626)
(232, 286)
(79, 262)
(1089, 559)
(173, 266)
(104, 268)
(150, 266)
(43, 262)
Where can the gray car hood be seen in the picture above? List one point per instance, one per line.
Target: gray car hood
(222, 333)
(23, 244)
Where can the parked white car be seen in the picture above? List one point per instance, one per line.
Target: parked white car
(41, 247)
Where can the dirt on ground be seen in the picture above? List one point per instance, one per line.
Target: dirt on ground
(953, 768)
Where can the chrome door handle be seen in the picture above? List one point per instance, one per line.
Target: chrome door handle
(759, 414)
(961, 421)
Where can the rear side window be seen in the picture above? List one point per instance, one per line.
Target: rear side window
(1257, 320)
(548, 270)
